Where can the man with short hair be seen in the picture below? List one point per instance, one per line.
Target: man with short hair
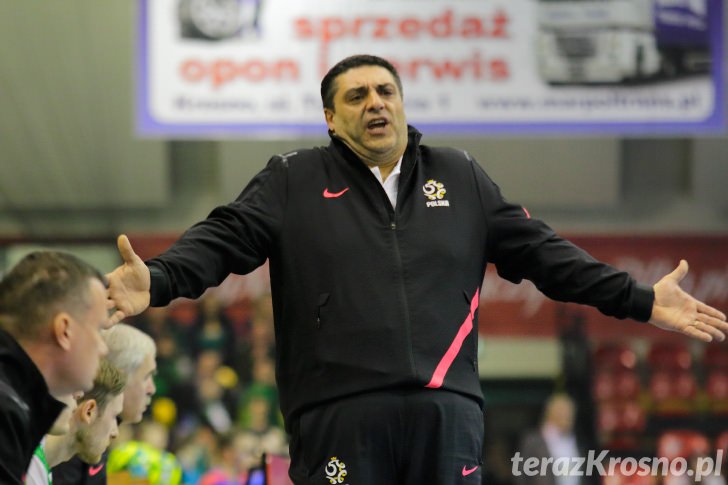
(378, 246)
(94, 424)
(52, 308)
(134, 353)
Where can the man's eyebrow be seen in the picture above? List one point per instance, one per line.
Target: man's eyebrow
(357, 90)
(364, 89)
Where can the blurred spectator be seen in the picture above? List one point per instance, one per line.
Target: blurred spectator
(210, 398)
(554, 439)
(157, 323)
(227, 466)
(154, 434)
(258, 412)
(260, 343)
(213, 331)
(240, 313)
(248, 448)
(195, 453)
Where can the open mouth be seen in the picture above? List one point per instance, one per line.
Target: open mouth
(377, 125)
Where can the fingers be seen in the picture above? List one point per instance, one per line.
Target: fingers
(125, 249)
(695, 332)
(116, 317)
(706, 328)
(711, 321)
(679, 273)
(710, 311)
(715, 323)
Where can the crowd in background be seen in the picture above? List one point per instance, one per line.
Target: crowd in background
(216, 405)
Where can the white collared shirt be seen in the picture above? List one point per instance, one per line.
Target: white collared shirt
(391, 185)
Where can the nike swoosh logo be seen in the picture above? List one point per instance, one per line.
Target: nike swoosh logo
(467, 471)
(94, 470)
(333, 195)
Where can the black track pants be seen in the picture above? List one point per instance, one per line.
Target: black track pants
(413, 437)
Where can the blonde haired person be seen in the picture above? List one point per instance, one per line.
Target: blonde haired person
(94, 423)
(134, 353)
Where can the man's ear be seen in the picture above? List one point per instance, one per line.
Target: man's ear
(329, 115)
(62, 330)
(87, 411)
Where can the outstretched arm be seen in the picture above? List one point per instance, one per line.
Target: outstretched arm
(676, 310)
(129, 284)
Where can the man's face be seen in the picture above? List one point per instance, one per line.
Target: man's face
(139, 390)
(62, 423)
(93, 439)
(87, 345)
(562, 415)
(369, 114)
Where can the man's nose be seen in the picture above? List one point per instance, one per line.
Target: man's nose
(151, 388)
(374, 101)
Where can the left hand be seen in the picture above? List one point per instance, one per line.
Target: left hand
(676, 310)
(129, 284)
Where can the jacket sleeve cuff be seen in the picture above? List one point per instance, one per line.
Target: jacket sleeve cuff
(642, 302)
(160, 294)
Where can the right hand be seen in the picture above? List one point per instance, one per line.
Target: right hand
(675, 309)
(129, 284)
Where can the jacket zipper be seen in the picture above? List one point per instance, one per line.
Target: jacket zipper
(403, 295)
(392, 213)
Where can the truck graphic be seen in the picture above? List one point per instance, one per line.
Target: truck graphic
(615, 41)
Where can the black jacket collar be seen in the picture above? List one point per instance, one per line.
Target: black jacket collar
(410, 153)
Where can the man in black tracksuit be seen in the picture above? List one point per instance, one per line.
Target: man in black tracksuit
(376, 286)
(27, 410)
(52, 307)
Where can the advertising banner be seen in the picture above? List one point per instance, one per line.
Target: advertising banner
(237, 68)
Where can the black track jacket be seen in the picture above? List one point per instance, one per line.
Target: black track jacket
(367, 297)
(27, 410)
